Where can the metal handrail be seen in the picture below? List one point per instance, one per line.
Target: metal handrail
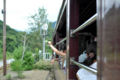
(61, 41)
(86, 23)
(83, 66)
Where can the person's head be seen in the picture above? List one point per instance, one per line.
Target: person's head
(91, 52)
(64, 48)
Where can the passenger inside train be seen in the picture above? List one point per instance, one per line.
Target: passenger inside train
(89, 61)
(60, 53)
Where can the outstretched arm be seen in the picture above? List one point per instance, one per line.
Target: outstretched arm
(56, 50)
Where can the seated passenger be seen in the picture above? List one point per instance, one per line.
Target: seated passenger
(84, 74)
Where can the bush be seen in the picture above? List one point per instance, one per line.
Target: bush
(43, 65)
(18, 53)
(9, 55)
(17, 67)
(28, 61)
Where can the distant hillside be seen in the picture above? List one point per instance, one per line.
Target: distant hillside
(8, 29)
(13, 37)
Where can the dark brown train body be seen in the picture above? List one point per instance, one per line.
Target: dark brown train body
(106, 27)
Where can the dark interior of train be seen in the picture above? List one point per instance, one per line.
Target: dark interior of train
(86, 36)
(80, 11)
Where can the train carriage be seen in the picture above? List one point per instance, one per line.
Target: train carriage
(79, 22)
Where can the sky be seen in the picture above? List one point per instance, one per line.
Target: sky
(18, 11)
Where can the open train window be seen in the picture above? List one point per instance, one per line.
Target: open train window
(81, 22)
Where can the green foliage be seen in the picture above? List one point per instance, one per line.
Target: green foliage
(34, 40)
(36, 21)
(8, 77)
(18, 68)
(28, 61)
(11, 43)
(1, 53)
(17, 65)
(1, 56)
(13, 39)
(50, 31)
(18, 53)
(43, 65)
(9, 55)
(36, 56)
(49, 36)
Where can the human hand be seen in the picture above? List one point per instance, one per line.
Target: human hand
(49, 42)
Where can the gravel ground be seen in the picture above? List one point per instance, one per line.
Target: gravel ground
(31, 75)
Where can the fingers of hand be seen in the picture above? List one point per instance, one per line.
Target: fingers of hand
(48, 42)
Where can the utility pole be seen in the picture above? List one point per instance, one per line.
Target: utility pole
(43, 44)
(4, 37)
(44, 28)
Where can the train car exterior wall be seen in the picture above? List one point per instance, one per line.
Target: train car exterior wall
(108, 39)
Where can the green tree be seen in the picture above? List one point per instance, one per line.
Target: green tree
(28, 61)
(18, 53)
(36, 21)
(18, 68)
(13, 39)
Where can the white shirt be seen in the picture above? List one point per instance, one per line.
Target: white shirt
(82, 57)
(86, 75)
(64, 65)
